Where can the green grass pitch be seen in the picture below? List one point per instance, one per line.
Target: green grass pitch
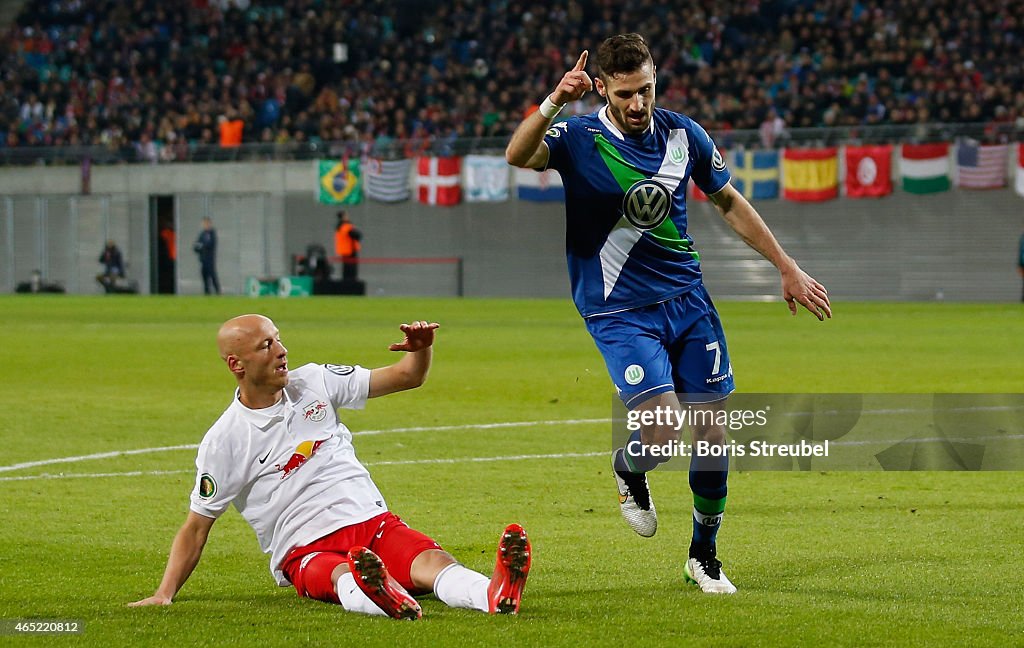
(821, 559)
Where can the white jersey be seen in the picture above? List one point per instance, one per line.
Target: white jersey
(290, 469)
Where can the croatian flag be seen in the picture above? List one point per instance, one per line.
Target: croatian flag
(545, 186)
(981, 167)
(437, 180)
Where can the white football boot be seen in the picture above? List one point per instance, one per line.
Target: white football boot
(705, 570)
(635, 501)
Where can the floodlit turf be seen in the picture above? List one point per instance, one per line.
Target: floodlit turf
(821, 559)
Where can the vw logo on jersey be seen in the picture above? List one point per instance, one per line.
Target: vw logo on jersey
(647, 204)
(717, 162)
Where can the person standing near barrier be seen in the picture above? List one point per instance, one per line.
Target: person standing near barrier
(347, 243)
(206, 248)
(113, 266)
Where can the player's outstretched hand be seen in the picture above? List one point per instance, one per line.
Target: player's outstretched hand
(800, 287)
(574, 84)
(418, 336)
(152, 600)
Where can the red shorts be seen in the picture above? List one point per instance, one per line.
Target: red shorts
(309, 568)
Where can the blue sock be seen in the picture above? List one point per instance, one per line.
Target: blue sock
(708, 481)
(630, 459)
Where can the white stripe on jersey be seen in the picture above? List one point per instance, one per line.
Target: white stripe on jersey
(615, 251)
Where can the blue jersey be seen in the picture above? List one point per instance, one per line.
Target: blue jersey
(625, 204)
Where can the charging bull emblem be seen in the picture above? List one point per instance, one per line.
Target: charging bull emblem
(315, 412)
(302, 453)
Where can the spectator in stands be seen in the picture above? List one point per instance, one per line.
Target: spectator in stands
(231, 129)
(107, 73)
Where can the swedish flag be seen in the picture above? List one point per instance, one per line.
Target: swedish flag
(755, 174)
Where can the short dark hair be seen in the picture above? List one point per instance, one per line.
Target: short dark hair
(622, 54)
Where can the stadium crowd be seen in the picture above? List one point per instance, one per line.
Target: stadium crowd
(158, 76)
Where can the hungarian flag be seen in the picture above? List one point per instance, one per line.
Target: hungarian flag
(868, 171)
(437, 180)
(981, 166)
(810, 175)
(924, 168)
(1019, 185)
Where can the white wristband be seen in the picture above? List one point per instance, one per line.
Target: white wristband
(549, 109)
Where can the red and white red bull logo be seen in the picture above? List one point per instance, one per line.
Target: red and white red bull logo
(302, 453)
(315, 412)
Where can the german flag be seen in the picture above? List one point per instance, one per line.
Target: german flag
(810, 175)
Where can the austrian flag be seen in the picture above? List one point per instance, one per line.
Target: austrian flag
(437, 180)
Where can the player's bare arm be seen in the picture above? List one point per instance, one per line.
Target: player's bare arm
(797, 285)
(186, 551)
(411, 371)
(527, 149)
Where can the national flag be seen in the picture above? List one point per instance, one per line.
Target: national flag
(981, 167)
(810, 175)
(387, 180)
(545, 186)
(486, 178)
(755, 174)
(868, 171)
(1019, 185)
(339, 182)
(437, 180)
(695, 193)
(924, 168)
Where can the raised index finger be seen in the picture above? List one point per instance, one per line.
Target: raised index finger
(582, 63)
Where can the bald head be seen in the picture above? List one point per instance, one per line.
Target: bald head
(240, 333)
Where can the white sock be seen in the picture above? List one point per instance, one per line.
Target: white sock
(460, 587)
(353, 599)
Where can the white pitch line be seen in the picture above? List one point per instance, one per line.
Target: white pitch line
(194, 446)
(98, 455)
(407, 462)
(506, 424)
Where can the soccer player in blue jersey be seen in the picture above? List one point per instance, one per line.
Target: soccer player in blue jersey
(636, 277)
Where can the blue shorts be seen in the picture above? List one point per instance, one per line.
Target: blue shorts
(677, 345)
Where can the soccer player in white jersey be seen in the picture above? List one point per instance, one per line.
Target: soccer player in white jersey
(635, 274)
(280, 455)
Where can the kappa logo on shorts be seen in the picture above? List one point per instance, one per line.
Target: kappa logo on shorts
(634, 374)
(646, 204)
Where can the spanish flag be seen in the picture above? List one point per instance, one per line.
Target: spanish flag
(810, 175)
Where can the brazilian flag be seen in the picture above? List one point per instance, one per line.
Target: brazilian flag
(340, 182)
